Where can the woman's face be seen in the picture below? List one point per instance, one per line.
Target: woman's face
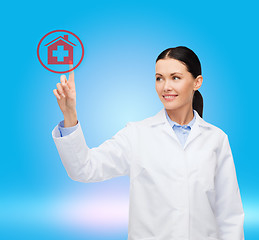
(173, 80)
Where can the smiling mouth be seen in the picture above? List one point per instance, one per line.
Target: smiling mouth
(170, 98)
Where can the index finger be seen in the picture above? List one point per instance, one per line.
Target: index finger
(71, 73)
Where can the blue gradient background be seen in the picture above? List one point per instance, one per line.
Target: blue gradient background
(115, 84)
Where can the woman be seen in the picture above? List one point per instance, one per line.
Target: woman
(183, 181)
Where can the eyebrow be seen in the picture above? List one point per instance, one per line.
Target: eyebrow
(170, 74)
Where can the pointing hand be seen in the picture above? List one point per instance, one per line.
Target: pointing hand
(66, 93)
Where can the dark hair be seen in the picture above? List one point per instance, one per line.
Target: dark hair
(193, 65)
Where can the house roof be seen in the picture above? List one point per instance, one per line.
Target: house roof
(57, 39)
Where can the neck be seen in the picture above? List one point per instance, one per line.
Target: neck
(181, 116)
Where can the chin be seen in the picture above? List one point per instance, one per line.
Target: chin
(167, 106)
(171, 106)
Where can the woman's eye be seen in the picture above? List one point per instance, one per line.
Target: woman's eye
(161, 78)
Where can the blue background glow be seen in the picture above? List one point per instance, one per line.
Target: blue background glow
(115, 84)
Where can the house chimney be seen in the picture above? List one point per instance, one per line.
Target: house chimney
(66, 37)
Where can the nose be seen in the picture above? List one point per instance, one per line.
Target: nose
(167, 86)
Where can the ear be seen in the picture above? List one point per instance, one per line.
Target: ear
(197, 82)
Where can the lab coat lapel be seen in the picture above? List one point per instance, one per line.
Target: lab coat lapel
(160, 118)
(170, 130)
(196, 129)
(194, 133)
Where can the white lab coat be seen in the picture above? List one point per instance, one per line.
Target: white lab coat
(176, 193)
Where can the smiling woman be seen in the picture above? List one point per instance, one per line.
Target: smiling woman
(183, 183)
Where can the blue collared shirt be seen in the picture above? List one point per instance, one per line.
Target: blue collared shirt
(181, 131)
(66, 131)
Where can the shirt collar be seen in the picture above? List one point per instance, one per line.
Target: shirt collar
(160, 118)
(172, 123)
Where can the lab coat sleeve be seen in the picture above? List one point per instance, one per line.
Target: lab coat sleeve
(228, 205)
(110, 159)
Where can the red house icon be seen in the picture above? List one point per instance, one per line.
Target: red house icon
(60, 51)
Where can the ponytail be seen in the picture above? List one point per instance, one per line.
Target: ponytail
(197, 102)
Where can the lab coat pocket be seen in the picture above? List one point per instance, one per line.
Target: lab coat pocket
(211, 195)
(206, 172)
